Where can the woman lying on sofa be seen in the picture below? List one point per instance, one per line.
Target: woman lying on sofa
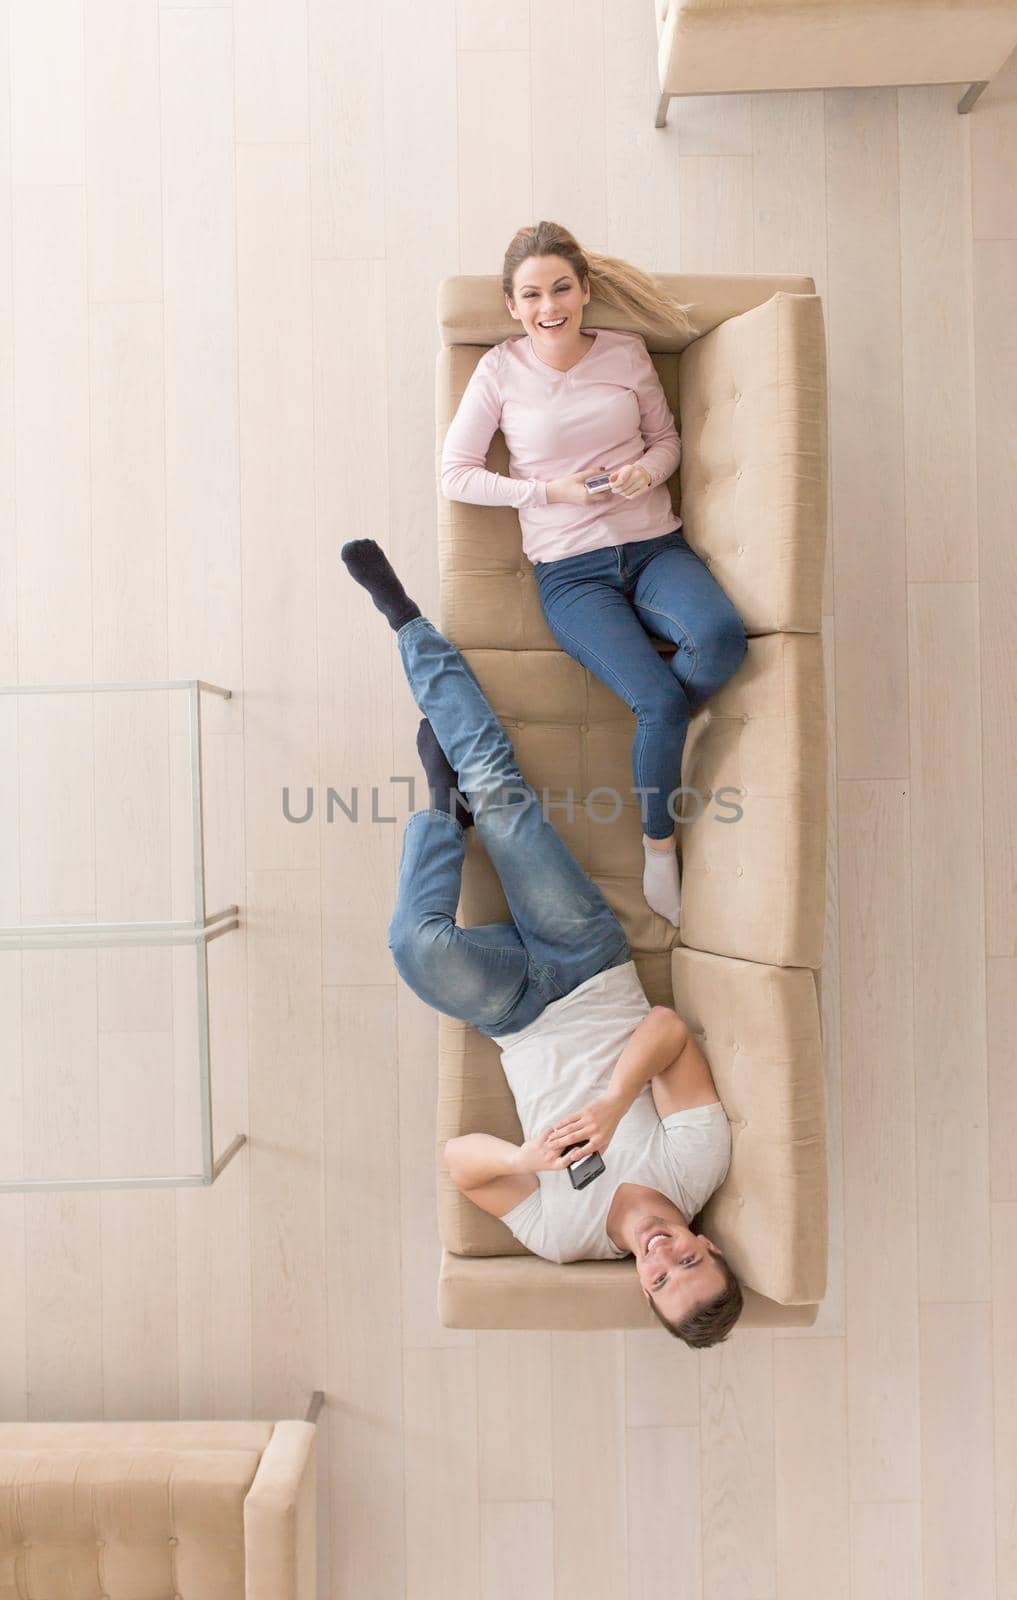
(612, 566)
(589, 1061)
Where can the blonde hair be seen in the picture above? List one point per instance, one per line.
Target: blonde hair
(618, 283)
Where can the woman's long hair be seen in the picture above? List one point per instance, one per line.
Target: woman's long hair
(618, 283)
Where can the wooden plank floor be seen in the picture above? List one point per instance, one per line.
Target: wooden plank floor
(221, 234)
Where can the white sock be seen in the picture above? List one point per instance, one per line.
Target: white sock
(662, 883)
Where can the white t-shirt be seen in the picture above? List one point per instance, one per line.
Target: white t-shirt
(555, 1066)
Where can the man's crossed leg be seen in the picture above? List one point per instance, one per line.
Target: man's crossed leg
(499, 976)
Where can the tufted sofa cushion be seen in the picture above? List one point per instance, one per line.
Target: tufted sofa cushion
(117, 1510)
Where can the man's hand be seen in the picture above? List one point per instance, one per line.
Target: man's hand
(543, 1154)
(595, 1124)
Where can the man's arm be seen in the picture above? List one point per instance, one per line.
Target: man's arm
(476, 1158)
(489, 1171)
(651, 1048)
(686, 1083)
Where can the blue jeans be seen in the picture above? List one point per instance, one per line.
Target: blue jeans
(501, 975)
(604, 605)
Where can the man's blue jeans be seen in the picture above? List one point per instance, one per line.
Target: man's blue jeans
(499, 976)
(603, 606)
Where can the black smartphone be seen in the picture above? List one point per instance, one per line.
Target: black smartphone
(584, 1171)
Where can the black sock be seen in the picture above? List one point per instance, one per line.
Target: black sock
(368, 563)
(442, 778)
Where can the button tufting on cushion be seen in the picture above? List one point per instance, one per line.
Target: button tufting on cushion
(738, 870)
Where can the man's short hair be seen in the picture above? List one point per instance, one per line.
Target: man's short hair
(710, 1323)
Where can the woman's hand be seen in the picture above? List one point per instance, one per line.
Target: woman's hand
(572, 489)
(595, 1124)
(629, 482)
(544, 1154)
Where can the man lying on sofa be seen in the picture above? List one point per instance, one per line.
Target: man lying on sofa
(557, 991)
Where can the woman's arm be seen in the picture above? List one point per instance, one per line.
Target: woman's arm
(656, 423)
(477, 419)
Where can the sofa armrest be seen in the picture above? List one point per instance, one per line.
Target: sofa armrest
(280, 1517)
(752, 401)
(760, 1028)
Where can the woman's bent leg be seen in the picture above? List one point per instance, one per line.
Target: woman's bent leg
(594, 621)
(676, 597)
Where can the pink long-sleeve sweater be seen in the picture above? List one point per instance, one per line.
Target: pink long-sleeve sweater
(607, 410)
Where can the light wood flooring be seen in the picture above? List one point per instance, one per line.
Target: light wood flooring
(221, 234)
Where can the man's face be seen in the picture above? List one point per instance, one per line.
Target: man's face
(675, 1266)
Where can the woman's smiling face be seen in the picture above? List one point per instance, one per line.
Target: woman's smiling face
(547, 291)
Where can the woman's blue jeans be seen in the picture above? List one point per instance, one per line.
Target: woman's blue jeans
(603, 606)
(501, 975)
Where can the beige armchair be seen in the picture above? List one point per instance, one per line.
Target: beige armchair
(749, 396)
(732, 46)
(206, 1510)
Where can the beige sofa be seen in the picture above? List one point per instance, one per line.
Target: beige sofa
(731, 46)
(206, 1510)
(749, 396)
